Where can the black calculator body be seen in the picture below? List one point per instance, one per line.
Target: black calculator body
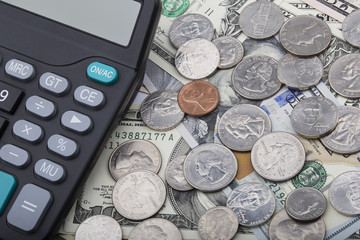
(62, 92)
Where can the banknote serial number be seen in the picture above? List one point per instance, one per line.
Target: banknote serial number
(278, 192)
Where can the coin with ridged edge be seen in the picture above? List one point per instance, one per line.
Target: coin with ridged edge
(174, 175)
(99, 227)
(157, 229)
(231, 51)
(351, 28)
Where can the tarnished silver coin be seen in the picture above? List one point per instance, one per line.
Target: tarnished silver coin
(314, 117)
(139, 195)
(218, 223)
(351, 28)
(344, 75)
(99, 227)
(242, 125)
(190, 26)
(305, 35)
(255, 77)
(231, 51)
(174, 175)
(344, 193)
(261, 19)
(278, 156)
(155, 229)
(210, 167)
(305, 204)
(160, 110)
(197, 59)
(253, 203)
(345, 139)
(134, 155)
(284, 227)
(300, 72)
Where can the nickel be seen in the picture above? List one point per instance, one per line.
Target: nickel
(231, 51)
(174, 175)
(351, 28)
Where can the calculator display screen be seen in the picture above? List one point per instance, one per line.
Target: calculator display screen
(113, 20)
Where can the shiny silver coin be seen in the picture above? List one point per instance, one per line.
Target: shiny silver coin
(284, 227)
(300, 72)
(253, 203)
(278, 156)
(155, 229)
(261, 19)
(351, 28)
(344, 193)
(242, 125)
(344, 75)
(190, 26)
(305, 204)
(255, 77)
(218, 223)
(210, 167)
(305, 35)
(231, 51)
(174, 175)
(314, 117)
(134, 155)
(99, 227)
(139, 195)
(197, 59)
(345, 139)
(160, 110)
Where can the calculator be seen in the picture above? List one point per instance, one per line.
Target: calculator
(68, 71)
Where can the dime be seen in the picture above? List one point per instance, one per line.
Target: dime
(99, 227)
(210, 167)
(197, 59)
(198, 98)
(344, 193)
(278, 156)
(351, 28)
(261, 19)
(242, 125)
(174, 175)
(314, 117)
(139, 195)
(157, 229)
(305, 204)
(134, 155)
(231, 51)
(344, 75)
(255, 77)
(300, 72)
(284, 227)
(252, 202)
(160, 110)
(218, 223)
(190, 26)
(305, 35)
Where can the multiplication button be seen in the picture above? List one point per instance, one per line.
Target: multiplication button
(28, 131)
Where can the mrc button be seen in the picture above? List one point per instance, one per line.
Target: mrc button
(102, 73)
(19, 70)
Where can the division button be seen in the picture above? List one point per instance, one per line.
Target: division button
(19, 70)
(63, 146)
(54, 83)
(76, 121)
(28, 131)
(49, 170)
(7, 187)
(40, 107)
(89, 96)
(14, 155)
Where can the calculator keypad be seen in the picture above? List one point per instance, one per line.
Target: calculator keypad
(14, 155)
(76, 121)
(62, 146)
(40, 107)
(54, 83)
(89, 96)
(28, 131)
(19, 70)
(9, 97)
(49, 170)
(7, 187)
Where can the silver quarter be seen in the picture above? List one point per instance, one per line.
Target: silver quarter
(174, 175)
(218, 223)
(231, 51)
(139, 195)
(314, 117)
(305, 35)
(278, 156)
(197, 59)
(305, 204)
(351, 28)
(344, 193)
(253, 203)
(242, 125)
(190, 26)
(344, 75)
(284, 227)
(255, 77)
(99, 227)
(155, 229)
(210, 167)
(160, 110)
(300, 72)
(261, 19)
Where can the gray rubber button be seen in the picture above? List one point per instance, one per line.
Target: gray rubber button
(54, 83)
(40, 107)
(19, 69)
(49, 170)
(14, 155)
(28, 131)
(89, 96)
(76, 121)
(62, 146)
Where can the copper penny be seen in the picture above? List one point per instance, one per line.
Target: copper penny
(198, 98)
